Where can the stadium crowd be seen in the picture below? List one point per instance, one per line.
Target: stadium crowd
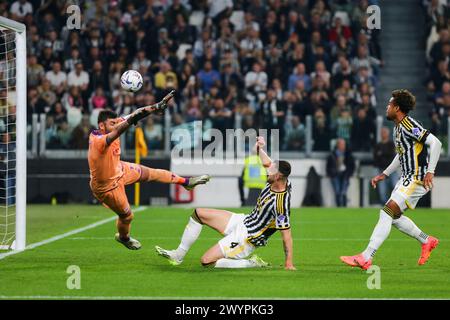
(438, 57)
(252, 64)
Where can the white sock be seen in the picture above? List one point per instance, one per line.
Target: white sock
(379, 234)
(406, 225)
(234, 263)
(190, 235)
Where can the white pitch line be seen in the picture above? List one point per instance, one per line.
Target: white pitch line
(209, 238)
(194, 298)
(64, 235)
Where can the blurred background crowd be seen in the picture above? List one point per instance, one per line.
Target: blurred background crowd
(234, 63)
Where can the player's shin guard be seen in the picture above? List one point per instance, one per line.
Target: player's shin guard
(165, 176)
(407, 226)
(190, 235)
(380, 233)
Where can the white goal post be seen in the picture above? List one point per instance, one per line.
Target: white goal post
(15, 209)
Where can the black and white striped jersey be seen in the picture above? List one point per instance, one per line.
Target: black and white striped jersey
(271, 213)
(409, 138)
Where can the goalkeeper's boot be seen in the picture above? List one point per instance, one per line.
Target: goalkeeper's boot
(357, 261)
(170, 255)
(194, 181)
(258, 262)
(427, 247)
(131, 243)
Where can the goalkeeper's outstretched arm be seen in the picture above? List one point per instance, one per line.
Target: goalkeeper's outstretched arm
(134, 117)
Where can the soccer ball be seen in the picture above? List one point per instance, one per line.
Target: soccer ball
(131, 80)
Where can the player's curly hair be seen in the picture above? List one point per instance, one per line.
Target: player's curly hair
(105, 115)
(404, 99)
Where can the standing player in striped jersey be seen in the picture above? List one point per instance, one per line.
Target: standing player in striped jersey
(417, 155)
(244, 233)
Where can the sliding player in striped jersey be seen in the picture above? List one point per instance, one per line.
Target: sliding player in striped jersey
(417, 155)
(244, 233)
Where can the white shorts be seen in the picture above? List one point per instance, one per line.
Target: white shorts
(234, 244)
(407, 193)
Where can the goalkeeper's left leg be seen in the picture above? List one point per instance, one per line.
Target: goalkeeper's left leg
(165, 176)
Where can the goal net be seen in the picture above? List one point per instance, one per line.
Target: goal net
(12, 134)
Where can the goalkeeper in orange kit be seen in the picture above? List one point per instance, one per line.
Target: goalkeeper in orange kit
(110, 175)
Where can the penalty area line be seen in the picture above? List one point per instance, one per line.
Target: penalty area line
(65, 235)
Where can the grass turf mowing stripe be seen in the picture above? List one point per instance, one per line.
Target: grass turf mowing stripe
(65, 235)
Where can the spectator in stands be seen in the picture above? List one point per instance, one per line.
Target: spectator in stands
(344, 124)
(363, 132)
(153, 133)
(383, 154)
(340, 106)
(46, 92)
(203, 42)
(80, 134)
(20, 8)
(175, 10)
(208, 77)
(35, 72)
(51, 137)
(35, 104)
(363, 76)
(321, 132)
(438, 76)
(98, 100)
(295, 135)
(220, 116)
(69, 64)
(165, 75)
(346, 90)
(341, 70)
(58, 113)
(47, 57)
(78, 77)
(74, 99)
(193, 111)
(339, 30)
(182, 32)
(365, 95)
(63, 134)
(340, 168)
(251, 48)
(98, 78)
(299, 73)
(363, 59)
(256, 84)
(220, 9)
(271, 113)
(57, 78)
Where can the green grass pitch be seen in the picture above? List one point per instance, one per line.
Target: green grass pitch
(320, 236)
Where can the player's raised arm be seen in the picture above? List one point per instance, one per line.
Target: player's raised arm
(137, 115)
(265, 159)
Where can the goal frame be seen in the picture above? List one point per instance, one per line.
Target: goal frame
(21, 130)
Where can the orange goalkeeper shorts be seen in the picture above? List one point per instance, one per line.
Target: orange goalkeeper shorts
(116, 199)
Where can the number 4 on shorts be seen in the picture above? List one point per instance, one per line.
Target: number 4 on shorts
(234, 244)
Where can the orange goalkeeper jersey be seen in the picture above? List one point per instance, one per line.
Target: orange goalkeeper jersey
(104, 162)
